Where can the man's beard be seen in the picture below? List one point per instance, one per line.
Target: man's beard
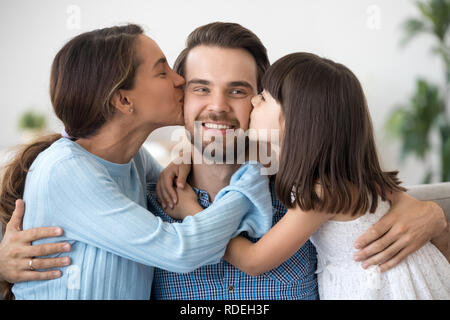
(218, 147)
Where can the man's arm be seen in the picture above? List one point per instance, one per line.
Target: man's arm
(404, 229)
(442, 242)
(16, 251)
(440, 194)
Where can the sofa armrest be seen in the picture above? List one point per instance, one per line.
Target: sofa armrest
(439, 193)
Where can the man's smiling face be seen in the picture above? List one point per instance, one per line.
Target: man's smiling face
(220, 83)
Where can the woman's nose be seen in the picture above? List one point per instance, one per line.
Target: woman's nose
(178, 80)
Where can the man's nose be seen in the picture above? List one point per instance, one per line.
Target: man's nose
(219, 103)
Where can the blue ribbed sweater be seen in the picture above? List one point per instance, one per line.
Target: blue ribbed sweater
(115, 241)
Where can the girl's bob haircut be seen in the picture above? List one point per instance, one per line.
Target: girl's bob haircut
(329, 160)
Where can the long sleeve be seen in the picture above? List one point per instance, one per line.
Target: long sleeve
(152, 167)
(88, 204)
(256, 225)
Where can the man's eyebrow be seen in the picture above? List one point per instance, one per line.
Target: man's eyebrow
(240, 84)
(230, 84)
(199, 81)
(160, 60)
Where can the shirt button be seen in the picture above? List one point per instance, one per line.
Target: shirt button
(230, 288)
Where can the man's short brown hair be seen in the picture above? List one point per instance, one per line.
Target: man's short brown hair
(226, 35)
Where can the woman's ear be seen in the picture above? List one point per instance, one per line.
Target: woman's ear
(122, 102)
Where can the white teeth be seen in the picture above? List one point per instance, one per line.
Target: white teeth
(216, 126)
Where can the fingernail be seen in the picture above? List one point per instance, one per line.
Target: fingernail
(56, 274)
(66, 261)
(357, 245)
(174, 200)
(365, 265)
(66, 247)
(356, 257)
(57, 231)
(171, 205)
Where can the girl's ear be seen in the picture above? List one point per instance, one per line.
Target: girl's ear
(122, 102)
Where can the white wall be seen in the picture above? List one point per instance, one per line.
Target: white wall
(32, 31)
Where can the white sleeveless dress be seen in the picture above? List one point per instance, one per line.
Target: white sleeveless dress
(425, 274)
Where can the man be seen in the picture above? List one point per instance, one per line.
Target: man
(223, 65)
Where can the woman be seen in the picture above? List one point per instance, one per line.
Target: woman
(111, 88)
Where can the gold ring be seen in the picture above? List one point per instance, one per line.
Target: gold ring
(30, 264)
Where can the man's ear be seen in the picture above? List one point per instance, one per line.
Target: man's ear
(122, 102)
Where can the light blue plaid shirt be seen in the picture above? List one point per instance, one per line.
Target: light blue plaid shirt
(295, 279)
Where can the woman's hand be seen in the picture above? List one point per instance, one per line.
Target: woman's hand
(174, 174)
(16, 251)
(404, 229)
(187, 204)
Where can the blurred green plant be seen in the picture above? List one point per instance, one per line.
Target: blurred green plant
(427, 112)
(32, 120)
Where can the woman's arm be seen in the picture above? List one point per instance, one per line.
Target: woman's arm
(152, 167)
(88, 205)
(276, 246)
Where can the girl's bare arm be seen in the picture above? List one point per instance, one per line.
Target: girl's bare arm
(276, 246)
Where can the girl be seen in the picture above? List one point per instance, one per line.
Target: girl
(331, 181)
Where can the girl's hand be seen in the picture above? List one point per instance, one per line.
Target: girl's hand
(174, 174)
(187, 205)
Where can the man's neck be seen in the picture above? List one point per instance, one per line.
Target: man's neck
(212, 177)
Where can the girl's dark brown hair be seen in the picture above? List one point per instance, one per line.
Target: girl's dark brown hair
(328, 138)
(85, 74)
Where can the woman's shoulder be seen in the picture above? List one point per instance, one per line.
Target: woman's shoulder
(59, 150)
(61, 167)
(148, 164)
(62, 153)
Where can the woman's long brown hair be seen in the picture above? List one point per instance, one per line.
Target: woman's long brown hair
(85, 74)
(328, 138)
